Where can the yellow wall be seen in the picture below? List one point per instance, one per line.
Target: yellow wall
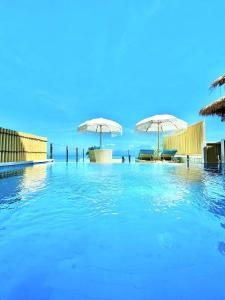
(188, 142)
(19, 146)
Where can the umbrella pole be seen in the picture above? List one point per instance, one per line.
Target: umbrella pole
(100, 136)
(158, 150)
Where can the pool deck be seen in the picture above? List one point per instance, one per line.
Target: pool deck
(111, 161)
(29, 162)
(157, 161)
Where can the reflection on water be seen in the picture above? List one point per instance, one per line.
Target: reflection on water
(221, 248)
(34, 178)
(16, 183)
(114, 230)
(165, 186)
(193, 174)
(215, 168)
(206, 185)
(9, 173)
(214, 189)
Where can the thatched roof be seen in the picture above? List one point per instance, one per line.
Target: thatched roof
(215, 108)
(218, 82)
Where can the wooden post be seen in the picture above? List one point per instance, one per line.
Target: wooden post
(158, 150)
(51, 151)
(1, 144)
(21, 153)
(67, 154)
(100, 136)
(129, 157)
(76, 154)
(7, 145)
(188, 161)
(13, 146)
(83, 155)
(17, 143)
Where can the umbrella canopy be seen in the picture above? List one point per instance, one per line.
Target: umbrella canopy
(160, 123)
(215, 108)
(218, 82)
(100, 126)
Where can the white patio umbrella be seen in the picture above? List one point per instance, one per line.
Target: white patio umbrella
(160, 123)
(100, 126)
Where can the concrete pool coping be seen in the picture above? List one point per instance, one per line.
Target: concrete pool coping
(29, 162)
(157, 161)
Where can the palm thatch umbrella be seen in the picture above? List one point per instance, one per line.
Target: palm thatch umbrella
(217, 82)
(215, 108)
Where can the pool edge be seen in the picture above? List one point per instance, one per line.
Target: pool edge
(30, 162)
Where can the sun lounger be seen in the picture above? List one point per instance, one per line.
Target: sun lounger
(168, 154)
(146, 154)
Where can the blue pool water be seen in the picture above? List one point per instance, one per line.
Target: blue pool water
(107, 232)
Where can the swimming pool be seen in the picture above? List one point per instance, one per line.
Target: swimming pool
(107, 232)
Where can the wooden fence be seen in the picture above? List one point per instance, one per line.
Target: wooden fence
(188, 142)
(19, 146)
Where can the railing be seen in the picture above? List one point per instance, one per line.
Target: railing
(19, 146)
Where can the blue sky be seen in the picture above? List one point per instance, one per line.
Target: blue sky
(63, 62)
